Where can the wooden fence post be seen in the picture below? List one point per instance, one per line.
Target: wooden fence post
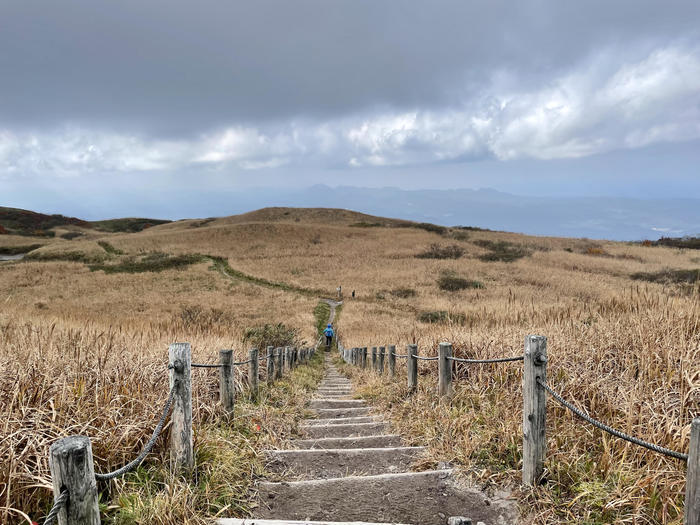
(270, 364)
(391, 349)
(70, 460)
(279, 369)
(412, 367)
(692, 479)
(181, 451)
(374, 358)
(445, 370)
(534, 408)
(227, 388)
(364, 357)
(382, 352)
(253, 371)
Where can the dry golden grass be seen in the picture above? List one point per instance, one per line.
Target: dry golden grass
(627, 351)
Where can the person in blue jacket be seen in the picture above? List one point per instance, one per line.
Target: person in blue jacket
(328, 332)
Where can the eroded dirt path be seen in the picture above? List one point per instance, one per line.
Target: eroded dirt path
(349, 467)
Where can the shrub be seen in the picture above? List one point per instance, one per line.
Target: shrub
(669, 276)
(71, 256)
(403, 293)
(109, 248)
(436, 251)
(452, 283)
(71, 235)
(153, 262)
(3, 231)
(692, 243)
(598, 251)
(441, 316)
(502, 251)
(16, 250)
(275, 335)
(367, 225)
(427, 226)
(459, 235)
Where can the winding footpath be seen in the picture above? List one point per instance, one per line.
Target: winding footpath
(349, 468)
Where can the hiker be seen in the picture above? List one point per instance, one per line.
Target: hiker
(328, 332)
(353, 294)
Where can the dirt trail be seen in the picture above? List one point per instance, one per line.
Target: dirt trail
(350, 468)
(333, 304)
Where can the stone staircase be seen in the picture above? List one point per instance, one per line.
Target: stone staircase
(351, 470)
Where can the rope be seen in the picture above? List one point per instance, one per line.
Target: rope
(610, 430)
(482, 361)
(198, 365)
(425, 358)
(60, 501)
(399, 355)
(237, 363)
(159, 427)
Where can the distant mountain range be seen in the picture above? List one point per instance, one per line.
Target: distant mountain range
(595, 218)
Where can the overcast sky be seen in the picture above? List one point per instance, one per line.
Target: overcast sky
(533, 97)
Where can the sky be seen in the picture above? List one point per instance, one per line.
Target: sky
(123, 102)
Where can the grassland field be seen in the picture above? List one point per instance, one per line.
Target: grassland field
(86, 320)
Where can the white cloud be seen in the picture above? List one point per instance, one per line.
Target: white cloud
(593, 109)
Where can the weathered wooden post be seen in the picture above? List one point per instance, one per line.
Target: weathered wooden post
(391, 349)
(692, 478)
(270, 364)
(382, 352)
(253, 371)
(374, 358)
(444, 370)
(534, 408)
(181, 451)
(364, 357)
(70, 460)
(227, 388)
(287, 358)
(279, 369)
(412, 367)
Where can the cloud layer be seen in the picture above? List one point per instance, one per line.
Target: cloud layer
(597, 105)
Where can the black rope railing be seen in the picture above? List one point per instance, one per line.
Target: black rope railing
(149, 445)
(58, 504)
(485, 361)
(610, 430)
(203, 365)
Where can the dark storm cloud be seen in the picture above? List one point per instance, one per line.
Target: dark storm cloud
(174, 68)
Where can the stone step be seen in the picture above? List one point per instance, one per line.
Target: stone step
(338, 463)
(355, 429)
(337, 403)
(425, 498)
(248, 521)
(341, 412)
(342, 420)
(378, 441)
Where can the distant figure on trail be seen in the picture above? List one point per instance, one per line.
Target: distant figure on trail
(340, 292)
(353, 294)
(328, 332)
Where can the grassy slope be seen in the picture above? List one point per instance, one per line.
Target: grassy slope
(615, 343)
